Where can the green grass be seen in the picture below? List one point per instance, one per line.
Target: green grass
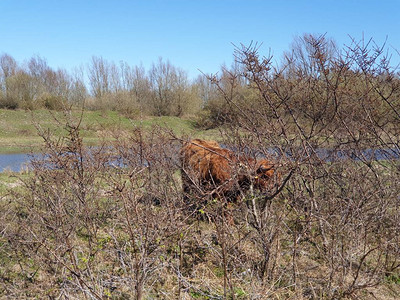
(18, 133)
(10, 180)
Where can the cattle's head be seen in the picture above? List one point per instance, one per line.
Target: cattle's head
(263, 175)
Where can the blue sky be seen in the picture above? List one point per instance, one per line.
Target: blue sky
(192, 34)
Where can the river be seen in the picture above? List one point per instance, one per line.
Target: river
(14, 162)
(19, 161)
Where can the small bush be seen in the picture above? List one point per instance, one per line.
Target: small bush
(8, 103)
(53, 102)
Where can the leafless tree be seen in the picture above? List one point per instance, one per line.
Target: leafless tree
(99, 76)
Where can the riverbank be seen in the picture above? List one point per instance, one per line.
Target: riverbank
(18, 133)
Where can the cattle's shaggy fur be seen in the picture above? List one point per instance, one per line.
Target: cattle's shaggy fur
(209, 169)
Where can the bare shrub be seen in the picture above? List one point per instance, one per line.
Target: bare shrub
(332, 228)
(97, 222)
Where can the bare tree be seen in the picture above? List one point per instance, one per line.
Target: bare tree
(161, 77)
(99, 76)
(136, 83)
(205, 89)
(8, 68)
(171, 95)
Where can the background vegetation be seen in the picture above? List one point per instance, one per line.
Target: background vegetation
(164, 90)
(112, 221)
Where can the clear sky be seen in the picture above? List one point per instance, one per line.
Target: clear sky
(192, 34)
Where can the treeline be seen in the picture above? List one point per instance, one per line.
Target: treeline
(358, 73)
(35, 85)
(162, 90)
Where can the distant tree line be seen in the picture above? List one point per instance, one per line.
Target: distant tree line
(36, 85)
(163, 90)
(311, 64)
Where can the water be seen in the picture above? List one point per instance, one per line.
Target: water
(330, 155)
(14, 162)
(19, 161)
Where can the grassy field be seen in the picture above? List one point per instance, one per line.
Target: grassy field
(18, 133)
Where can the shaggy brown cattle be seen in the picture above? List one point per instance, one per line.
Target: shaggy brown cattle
(209, 169)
